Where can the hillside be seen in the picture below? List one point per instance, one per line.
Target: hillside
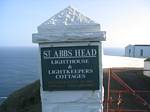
(26, 99)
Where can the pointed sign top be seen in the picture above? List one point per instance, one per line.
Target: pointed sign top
(67, 26)
(69, 16)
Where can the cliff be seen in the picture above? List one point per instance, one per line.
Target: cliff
(26, 99)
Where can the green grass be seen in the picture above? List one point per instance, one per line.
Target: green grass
(147, 59)
(26, 99)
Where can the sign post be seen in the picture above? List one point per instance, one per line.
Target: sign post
(70, 63)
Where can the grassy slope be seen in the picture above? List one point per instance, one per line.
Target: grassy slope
(27, 99)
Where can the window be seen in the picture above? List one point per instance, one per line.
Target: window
(141, 52)
(129, 52)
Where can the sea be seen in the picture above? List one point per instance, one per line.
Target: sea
(19, 67)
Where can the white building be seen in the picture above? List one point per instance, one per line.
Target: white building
(140, 51)
(147, 67)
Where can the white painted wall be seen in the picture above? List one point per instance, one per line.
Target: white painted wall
(120, 61)
(135, 51)
(129, 51)
(146, 51)
(147, 68)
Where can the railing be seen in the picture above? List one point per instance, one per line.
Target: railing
(112, 74)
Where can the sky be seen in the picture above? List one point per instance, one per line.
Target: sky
(125, 21)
